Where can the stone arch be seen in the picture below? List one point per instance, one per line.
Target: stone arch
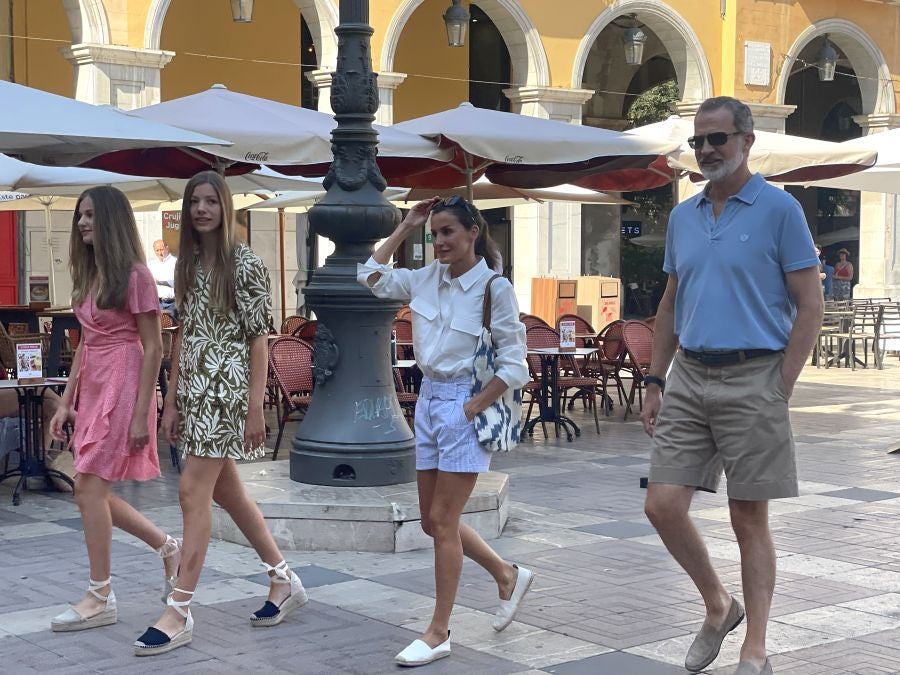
(88, 21)
(864, 55)
(527, 54)
(320, 15)
(680, 40)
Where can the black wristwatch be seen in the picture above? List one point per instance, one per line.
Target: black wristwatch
(658, 381)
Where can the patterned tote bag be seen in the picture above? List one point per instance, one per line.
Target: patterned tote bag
(497, 426)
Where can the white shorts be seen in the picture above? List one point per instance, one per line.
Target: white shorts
(445, 439)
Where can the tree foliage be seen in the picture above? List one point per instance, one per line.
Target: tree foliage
(653, 105)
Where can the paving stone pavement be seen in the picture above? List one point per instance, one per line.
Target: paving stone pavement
(607, 597)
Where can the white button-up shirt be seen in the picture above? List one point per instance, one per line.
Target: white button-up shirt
(164, 270)
(446, 318)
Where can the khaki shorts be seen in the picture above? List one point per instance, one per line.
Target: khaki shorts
(732, 417)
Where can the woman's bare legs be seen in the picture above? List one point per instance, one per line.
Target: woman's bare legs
(230, 494)
(92, 498)
(130, 520)
(195, 492)
(474, 547)
(446, 495)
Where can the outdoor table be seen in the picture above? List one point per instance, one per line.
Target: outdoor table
(549, 403)
(844, 317)
(20, 314)
(63, 320)
(31, 448)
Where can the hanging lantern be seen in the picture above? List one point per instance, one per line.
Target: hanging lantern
(634, 39)
(456, 18)
(242, 11)
(826, 61)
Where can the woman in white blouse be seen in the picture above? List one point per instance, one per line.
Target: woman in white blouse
(446, 302)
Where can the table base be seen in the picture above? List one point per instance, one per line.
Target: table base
(30, 467)
(558, 421)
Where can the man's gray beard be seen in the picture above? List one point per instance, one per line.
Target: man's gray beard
(728, 167)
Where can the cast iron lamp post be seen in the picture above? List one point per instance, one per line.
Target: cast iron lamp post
(354, 432)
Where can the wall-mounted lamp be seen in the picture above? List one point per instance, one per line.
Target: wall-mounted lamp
(456, 18)
(242, 11)
(826, 61)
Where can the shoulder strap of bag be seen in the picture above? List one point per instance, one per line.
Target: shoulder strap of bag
(486, 311)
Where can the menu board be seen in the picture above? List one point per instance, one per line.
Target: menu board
(29, 364)
(567, 336)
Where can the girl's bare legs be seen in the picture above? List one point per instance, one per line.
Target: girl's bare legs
(474, 547)
(92, 498)
(230, 494)
(450, 493)
(132, 521)
(195, 492)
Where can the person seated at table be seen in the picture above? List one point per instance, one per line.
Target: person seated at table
(113, 380)
(9, 408)
(446, 298)
(163, 270)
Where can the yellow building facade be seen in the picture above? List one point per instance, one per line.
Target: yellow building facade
(562, 59)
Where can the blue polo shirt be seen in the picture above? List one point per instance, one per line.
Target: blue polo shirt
(732, 291)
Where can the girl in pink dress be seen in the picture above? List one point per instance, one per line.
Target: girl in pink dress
(111, 394)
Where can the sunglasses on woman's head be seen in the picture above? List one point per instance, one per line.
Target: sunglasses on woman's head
(452, 202)
(715, 139)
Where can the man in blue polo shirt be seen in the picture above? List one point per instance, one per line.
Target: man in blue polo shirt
(737, 321)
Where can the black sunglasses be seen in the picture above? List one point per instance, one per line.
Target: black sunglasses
(715, 139)
(455, 201)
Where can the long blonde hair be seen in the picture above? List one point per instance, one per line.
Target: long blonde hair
(105, 265)
(221, 276)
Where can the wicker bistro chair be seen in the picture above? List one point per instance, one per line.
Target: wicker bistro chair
(544, 336)
(638, 338)
(531, 320)
(290, 361)
(609, 362)
(306, 331)
(292, 323)
(407, 399)
(403, 329)
(8, 347)
(403, 313)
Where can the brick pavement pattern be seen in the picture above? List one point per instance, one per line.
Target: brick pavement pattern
(607, 599)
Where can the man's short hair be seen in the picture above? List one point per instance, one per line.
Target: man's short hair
(743, 118)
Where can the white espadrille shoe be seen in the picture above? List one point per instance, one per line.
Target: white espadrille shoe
(71, 620)
(172, 548)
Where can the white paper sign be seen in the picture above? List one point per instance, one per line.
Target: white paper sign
(567, 335)
(29, 364)
(418, 252)
(757, 64)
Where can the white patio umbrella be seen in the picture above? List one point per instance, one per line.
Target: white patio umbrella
(778, 157)
(883, 177)
(37, 187)
(263, 132)
(51, 129)
(525, 151)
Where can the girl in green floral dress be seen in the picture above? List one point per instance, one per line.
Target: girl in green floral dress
(214, 407)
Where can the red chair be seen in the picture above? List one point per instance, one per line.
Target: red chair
(544, 336)
(638, 338)
(406, 398)
(403, 313)
(531, 320)
(290, 362)
(609, 360)
(292, 323)
(306, 331)
(403, 330)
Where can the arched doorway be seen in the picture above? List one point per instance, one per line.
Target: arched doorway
(833, 110)
(627, 242)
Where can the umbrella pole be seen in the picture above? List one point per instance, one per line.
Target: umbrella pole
(470, 187)
(281, 261)
(48, 227)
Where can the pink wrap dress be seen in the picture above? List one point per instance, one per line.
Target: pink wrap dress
(107, 387)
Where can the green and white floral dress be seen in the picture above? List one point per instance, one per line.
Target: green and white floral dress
(214, 367)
